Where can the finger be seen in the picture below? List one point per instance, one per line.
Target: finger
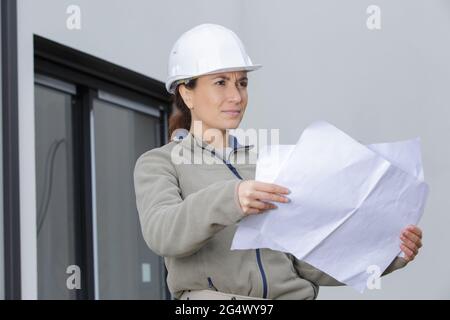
(412, 236)
(253, 211)
(270, 187)
(261, 205)
(410, 245)
(415, 229)
(409, 255)
(267, 196)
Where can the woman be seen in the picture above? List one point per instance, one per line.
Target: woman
(191, 192)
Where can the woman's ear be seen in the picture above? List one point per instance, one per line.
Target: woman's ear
(186, 94)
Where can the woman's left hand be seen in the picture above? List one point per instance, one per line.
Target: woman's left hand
(411, 238)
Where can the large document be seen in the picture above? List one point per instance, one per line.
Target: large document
(349, 202)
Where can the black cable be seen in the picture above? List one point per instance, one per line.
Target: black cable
(48, 182)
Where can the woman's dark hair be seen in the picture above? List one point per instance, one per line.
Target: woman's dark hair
(181, 114)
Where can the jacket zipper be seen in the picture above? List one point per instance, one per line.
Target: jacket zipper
(258, 252)
(263, 274)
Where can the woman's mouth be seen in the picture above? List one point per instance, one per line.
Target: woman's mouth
(232, 113)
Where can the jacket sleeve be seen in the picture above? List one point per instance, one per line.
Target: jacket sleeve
(318, 277)
(173, 226)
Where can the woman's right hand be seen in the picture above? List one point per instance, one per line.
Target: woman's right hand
(254, 194)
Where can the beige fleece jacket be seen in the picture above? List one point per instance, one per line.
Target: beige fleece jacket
(188, 213)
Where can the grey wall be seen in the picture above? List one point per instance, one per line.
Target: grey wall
(137, 34)
(320, 62)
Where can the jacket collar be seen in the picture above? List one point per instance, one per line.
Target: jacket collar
(186, 136)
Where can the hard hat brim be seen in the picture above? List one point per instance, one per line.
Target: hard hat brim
(170, 83)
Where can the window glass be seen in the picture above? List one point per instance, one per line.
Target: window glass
(56, 214)
(127, 268)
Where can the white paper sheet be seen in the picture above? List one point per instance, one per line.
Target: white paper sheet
(349, 202)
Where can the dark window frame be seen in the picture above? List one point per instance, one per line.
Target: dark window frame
(10, 128)
(90, 74)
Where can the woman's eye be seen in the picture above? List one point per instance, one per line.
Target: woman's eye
(244, 84)
(221, 82)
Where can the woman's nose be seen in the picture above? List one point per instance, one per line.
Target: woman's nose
(234, 94)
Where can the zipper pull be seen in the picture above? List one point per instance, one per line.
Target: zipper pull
(211, 285)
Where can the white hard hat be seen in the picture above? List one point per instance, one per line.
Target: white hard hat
(206, 49)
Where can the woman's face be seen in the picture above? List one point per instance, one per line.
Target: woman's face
(218, 100)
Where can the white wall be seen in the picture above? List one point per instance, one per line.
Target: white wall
(320, 62)
(26, 151)
(137, 34)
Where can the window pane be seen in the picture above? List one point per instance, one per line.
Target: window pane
(127, 268)
(55, 192)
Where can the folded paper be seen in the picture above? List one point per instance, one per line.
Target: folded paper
(349, 202)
